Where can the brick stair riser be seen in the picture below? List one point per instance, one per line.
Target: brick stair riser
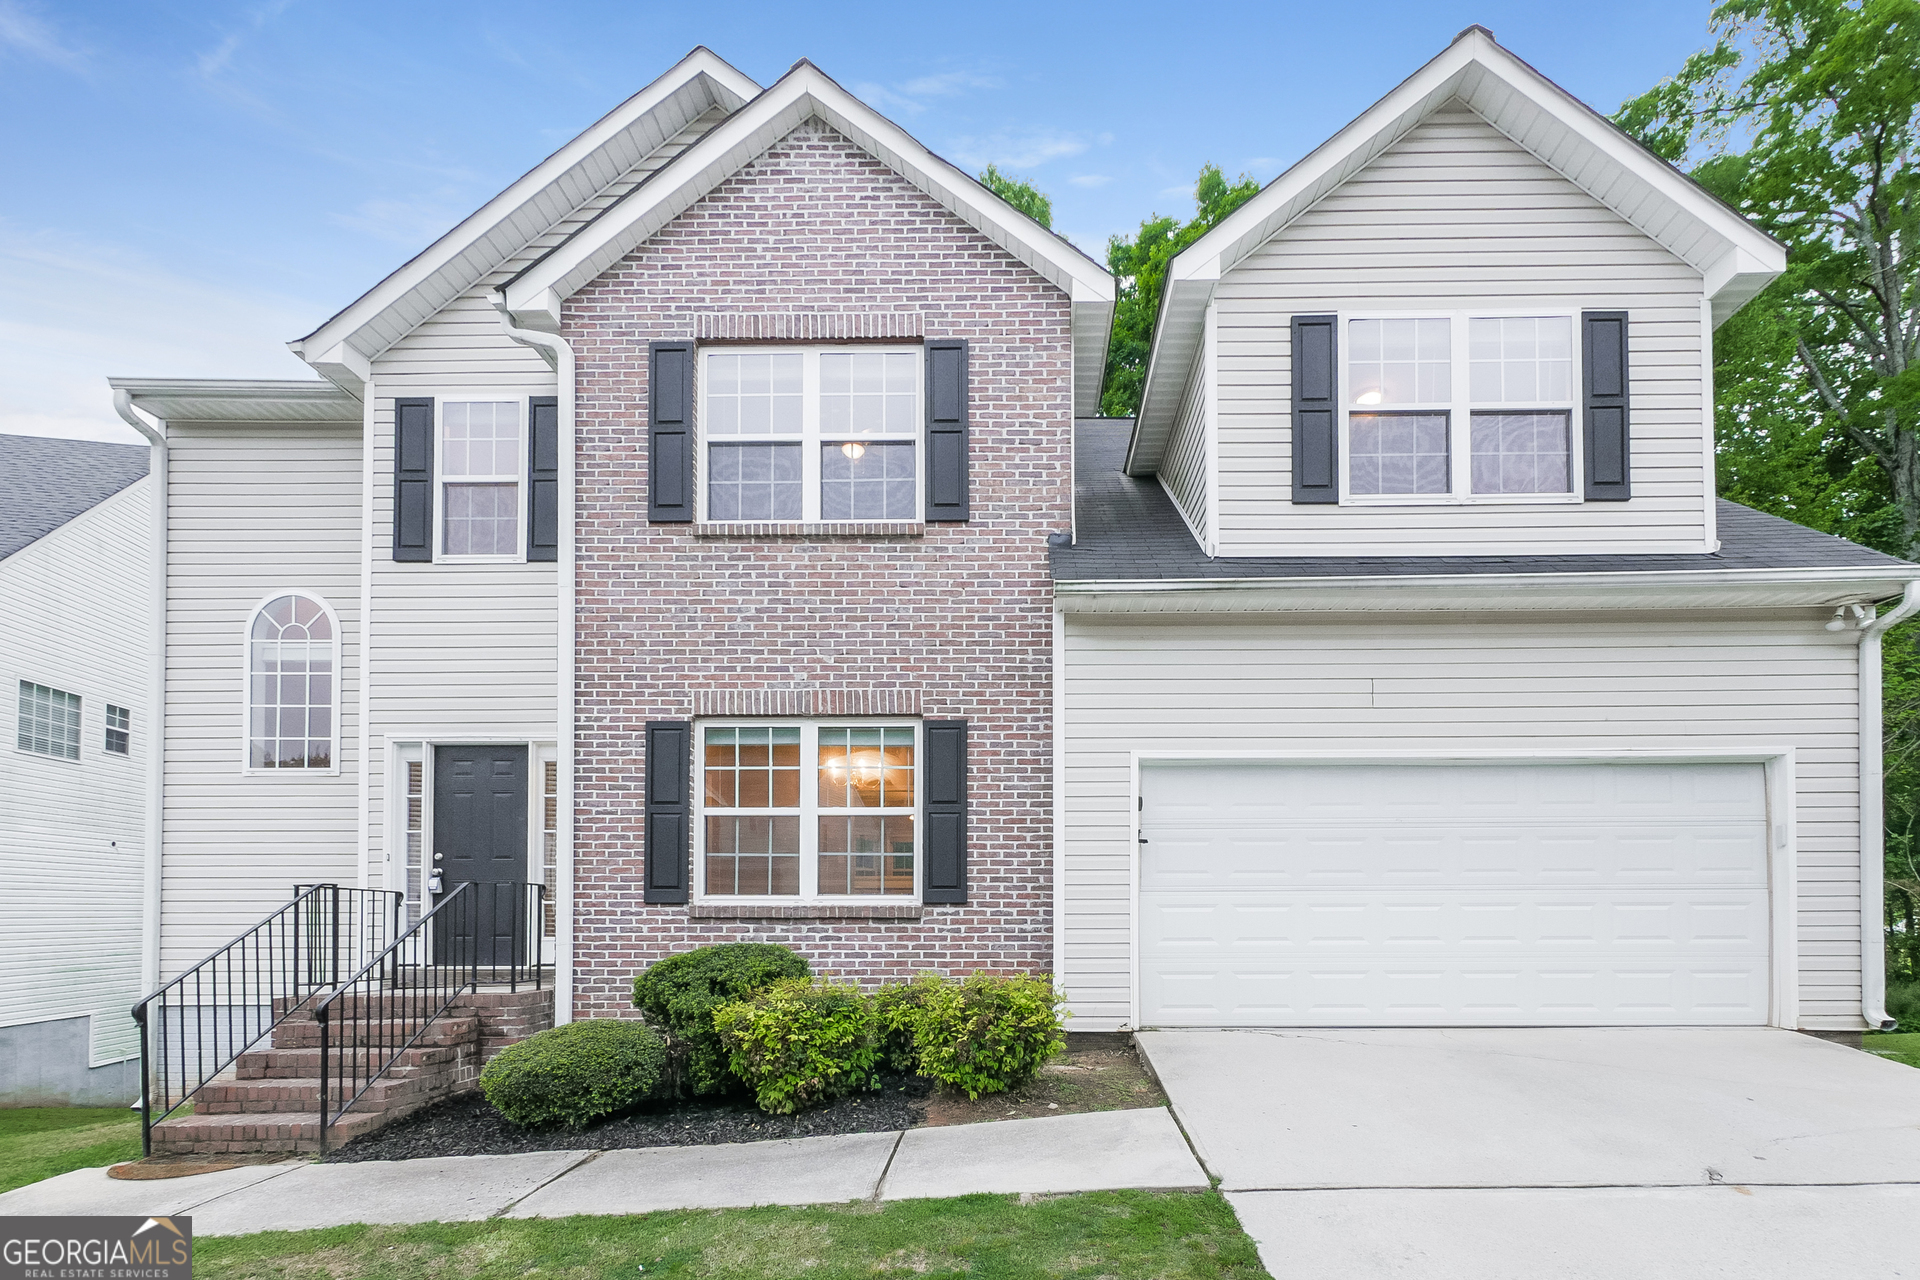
(239, 1135)
(252, 1097)
(389, 1035)
(273, 1064)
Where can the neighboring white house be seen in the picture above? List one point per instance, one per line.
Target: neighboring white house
(1412, 674)
(76, 593)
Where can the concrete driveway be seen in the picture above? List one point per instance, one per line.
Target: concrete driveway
(1534, 1152)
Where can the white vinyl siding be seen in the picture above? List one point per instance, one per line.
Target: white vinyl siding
(75, 609)
(1456, 217)
(465, 649)
(1606, 683)
(1184, 474)
(256, 511)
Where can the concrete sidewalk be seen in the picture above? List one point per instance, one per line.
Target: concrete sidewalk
(1099, 1151)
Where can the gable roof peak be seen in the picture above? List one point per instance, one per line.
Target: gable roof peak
(1734, 258)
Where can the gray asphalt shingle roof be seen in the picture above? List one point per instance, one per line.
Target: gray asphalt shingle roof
(1127, 530)
(44, 483)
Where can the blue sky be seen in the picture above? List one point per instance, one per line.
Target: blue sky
(192, 183)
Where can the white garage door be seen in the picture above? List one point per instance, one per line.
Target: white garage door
(1452, 895)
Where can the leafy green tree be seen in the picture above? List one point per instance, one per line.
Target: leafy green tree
(1826, 95)
(1140, 263)
(1019, 193)
(1817, 402)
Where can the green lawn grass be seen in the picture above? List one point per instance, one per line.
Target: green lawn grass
(1115, 1235)
(39, 1142)
(1900, 1047)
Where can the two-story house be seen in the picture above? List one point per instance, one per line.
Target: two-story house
(702, 530)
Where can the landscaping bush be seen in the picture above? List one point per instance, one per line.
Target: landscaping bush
(986, 1034)
(681, 993)
(798, 1042)
(1903, 1004)
(576, 1073)
(896, 1013)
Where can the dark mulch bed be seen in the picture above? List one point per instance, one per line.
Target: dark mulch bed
(467, 1126)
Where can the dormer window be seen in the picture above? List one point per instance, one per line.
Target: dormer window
(810, 434)
(1459, 408)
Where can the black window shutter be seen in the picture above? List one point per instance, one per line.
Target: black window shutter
(543, 478)
(670, 433)
(1316, 417)
(1603, 359)
(945, 782)
(669, 810)
(947, 497)
(413, 478)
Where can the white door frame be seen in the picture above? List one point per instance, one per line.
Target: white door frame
(1783, 951)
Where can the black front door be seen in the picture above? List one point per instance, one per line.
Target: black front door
(480, 837)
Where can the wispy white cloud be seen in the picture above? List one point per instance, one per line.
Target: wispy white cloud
(908, 97)
(413, 223)
(1017, 148)
(217, 61)
(22, 30)
(1090, 179)
(75, 311)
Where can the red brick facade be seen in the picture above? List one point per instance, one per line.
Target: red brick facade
(961, 616)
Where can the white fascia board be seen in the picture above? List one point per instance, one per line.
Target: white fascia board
(534, 296)
(240, 400)
(1698, 228)
(1504, 593)
(702, 69)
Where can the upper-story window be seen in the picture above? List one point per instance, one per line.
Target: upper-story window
(480, 480)
(118, 740)
(811, 434)
(292, 694)
(1460, 408)
(49, 721)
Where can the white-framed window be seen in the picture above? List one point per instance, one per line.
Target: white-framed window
(49, 721)
(119, 735)
(482, 497)
(810, 433)
(1459, 407)
(547, 770)
(795, 811)
(293, 693)
(411, 820)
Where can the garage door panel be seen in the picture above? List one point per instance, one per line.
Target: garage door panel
(1644, 901)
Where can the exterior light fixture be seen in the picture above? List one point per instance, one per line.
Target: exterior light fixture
(854, 449)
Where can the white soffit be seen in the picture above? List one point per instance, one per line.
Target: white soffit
(240, 400)
(505, 225)
(1735, 258)
(534, 297)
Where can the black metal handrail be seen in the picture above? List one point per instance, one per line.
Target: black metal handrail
(478, 933)
(227, 1003)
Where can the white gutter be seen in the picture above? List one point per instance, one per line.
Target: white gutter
(156, 690)
(1873, 858)
(555, 348)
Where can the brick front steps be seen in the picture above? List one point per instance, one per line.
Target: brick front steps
(269, 1099)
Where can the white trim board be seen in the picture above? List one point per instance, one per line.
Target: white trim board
(1782, 853)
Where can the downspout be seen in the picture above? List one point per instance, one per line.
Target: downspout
(556, 348)
(1873, 835)
(156, 690)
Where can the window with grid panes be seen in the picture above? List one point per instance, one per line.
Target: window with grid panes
(119, 739)
(812, 434)
(816, 810)
(49, 721)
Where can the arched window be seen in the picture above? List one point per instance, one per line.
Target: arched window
(290, 685)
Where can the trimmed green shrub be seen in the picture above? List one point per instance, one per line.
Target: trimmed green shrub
(576, 1073)
(896, 1012)
(798, 1042)
(681, 992)
(987, 1034)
